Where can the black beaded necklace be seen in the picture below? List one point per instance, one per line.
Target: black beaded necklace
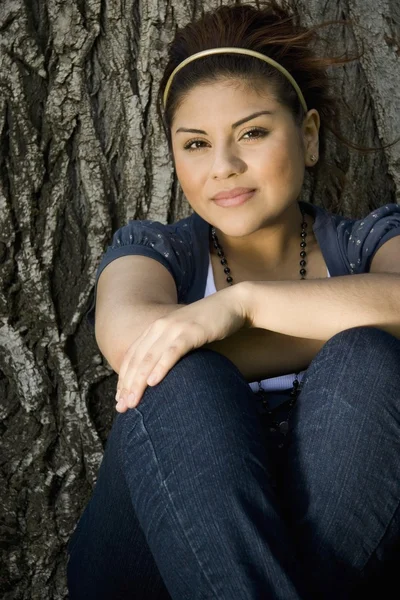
(283, 426)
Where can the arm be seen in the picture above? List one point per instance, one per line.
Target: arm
(337, 304)
(132, 292)
(320, 308)
(126, 305)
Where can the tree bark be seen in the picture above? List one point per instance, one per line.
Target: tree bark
(81, 152)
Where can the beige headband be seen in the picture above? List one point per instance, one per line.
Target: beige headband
(235, 51)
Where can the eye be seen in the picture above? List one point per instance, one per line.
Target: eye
(190, 143)
(258, 133)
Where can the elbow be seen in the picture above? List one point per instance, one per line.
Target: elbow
(112, 353)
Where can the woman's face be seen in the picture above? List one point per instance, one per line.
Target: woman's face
(221, 141)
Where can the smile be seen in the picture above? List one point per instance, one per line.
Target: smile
(236, 201)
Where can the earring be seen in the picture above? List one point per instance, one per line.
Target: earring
(313, 157)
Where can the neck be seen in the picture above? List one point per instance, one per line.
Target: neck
(273, 247)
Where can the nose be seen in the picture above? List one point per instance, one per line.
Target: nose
(227, 162)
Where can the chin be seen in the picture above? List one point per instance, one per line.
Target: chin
(233, 222)
(236, 227)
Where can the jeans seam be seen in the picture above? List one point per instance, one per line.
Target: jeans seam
(165, 490)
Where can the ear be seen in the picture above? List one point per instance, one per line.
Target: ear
(310, 132)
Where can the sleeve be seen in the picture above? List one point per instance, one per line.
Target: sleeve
(363, 237)
(164, 243)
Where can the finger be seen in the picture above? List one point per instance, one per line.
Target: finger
(145, 353)
(155, 353)
(124, 369)
(138, 371)
(121, 407)
(141, 362)
(130, 362)
(168, 358)
(181, 344)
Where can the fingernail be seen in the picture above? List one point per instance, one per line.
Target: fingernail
(152, 379)
(131, 398)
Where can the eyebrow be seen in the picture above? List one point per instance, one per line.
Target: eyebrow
(240, 122)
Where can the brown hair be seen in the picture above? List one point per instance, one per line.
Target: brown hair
(272, 30)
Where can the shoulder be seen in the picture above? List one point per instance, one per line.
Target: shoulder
(169, 244)
(349, 245)
(152, 233)
(360, 239)
(165, 239)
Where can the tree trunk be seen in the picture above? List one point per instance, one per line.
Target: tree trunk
(81, 152)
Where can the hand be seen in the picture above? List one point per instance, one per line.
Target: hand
(167, 339)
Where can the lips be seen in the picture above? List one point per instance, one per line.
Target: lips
(239, 191)
(236, 200)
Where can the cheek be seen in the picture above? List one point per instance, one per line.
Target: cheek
(181, 170)
(189, 178)
(286, 162)
(184, 175)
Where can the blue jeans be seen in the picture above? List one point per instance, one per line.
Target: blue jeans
(197, 499)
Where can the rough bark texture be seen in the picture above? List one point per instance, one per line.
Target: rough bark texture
(81, 152)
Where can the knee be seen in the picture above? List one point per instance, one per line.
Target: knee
(201, 364)
(370, 347)
(359, 363)
(361, 348)
(203, 399)
(201, 369)
(364, 333)
(200, 377)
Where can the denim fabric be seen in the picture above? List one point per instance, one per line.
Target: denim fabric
(197, 499)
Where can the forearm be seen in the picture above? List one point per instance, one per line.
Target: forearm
(320, 308)
(125, 325)
(259, 354)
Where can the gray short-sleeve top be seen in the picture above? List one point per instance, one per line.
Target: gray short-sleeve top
(348, 246)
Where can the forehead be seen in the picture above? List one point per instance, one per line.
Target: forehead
(225, 98)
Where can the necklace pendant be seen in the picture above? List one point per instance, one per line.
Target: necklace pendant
(284, 427)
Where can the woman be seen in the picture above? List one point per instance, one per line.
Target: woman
(255, 450)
